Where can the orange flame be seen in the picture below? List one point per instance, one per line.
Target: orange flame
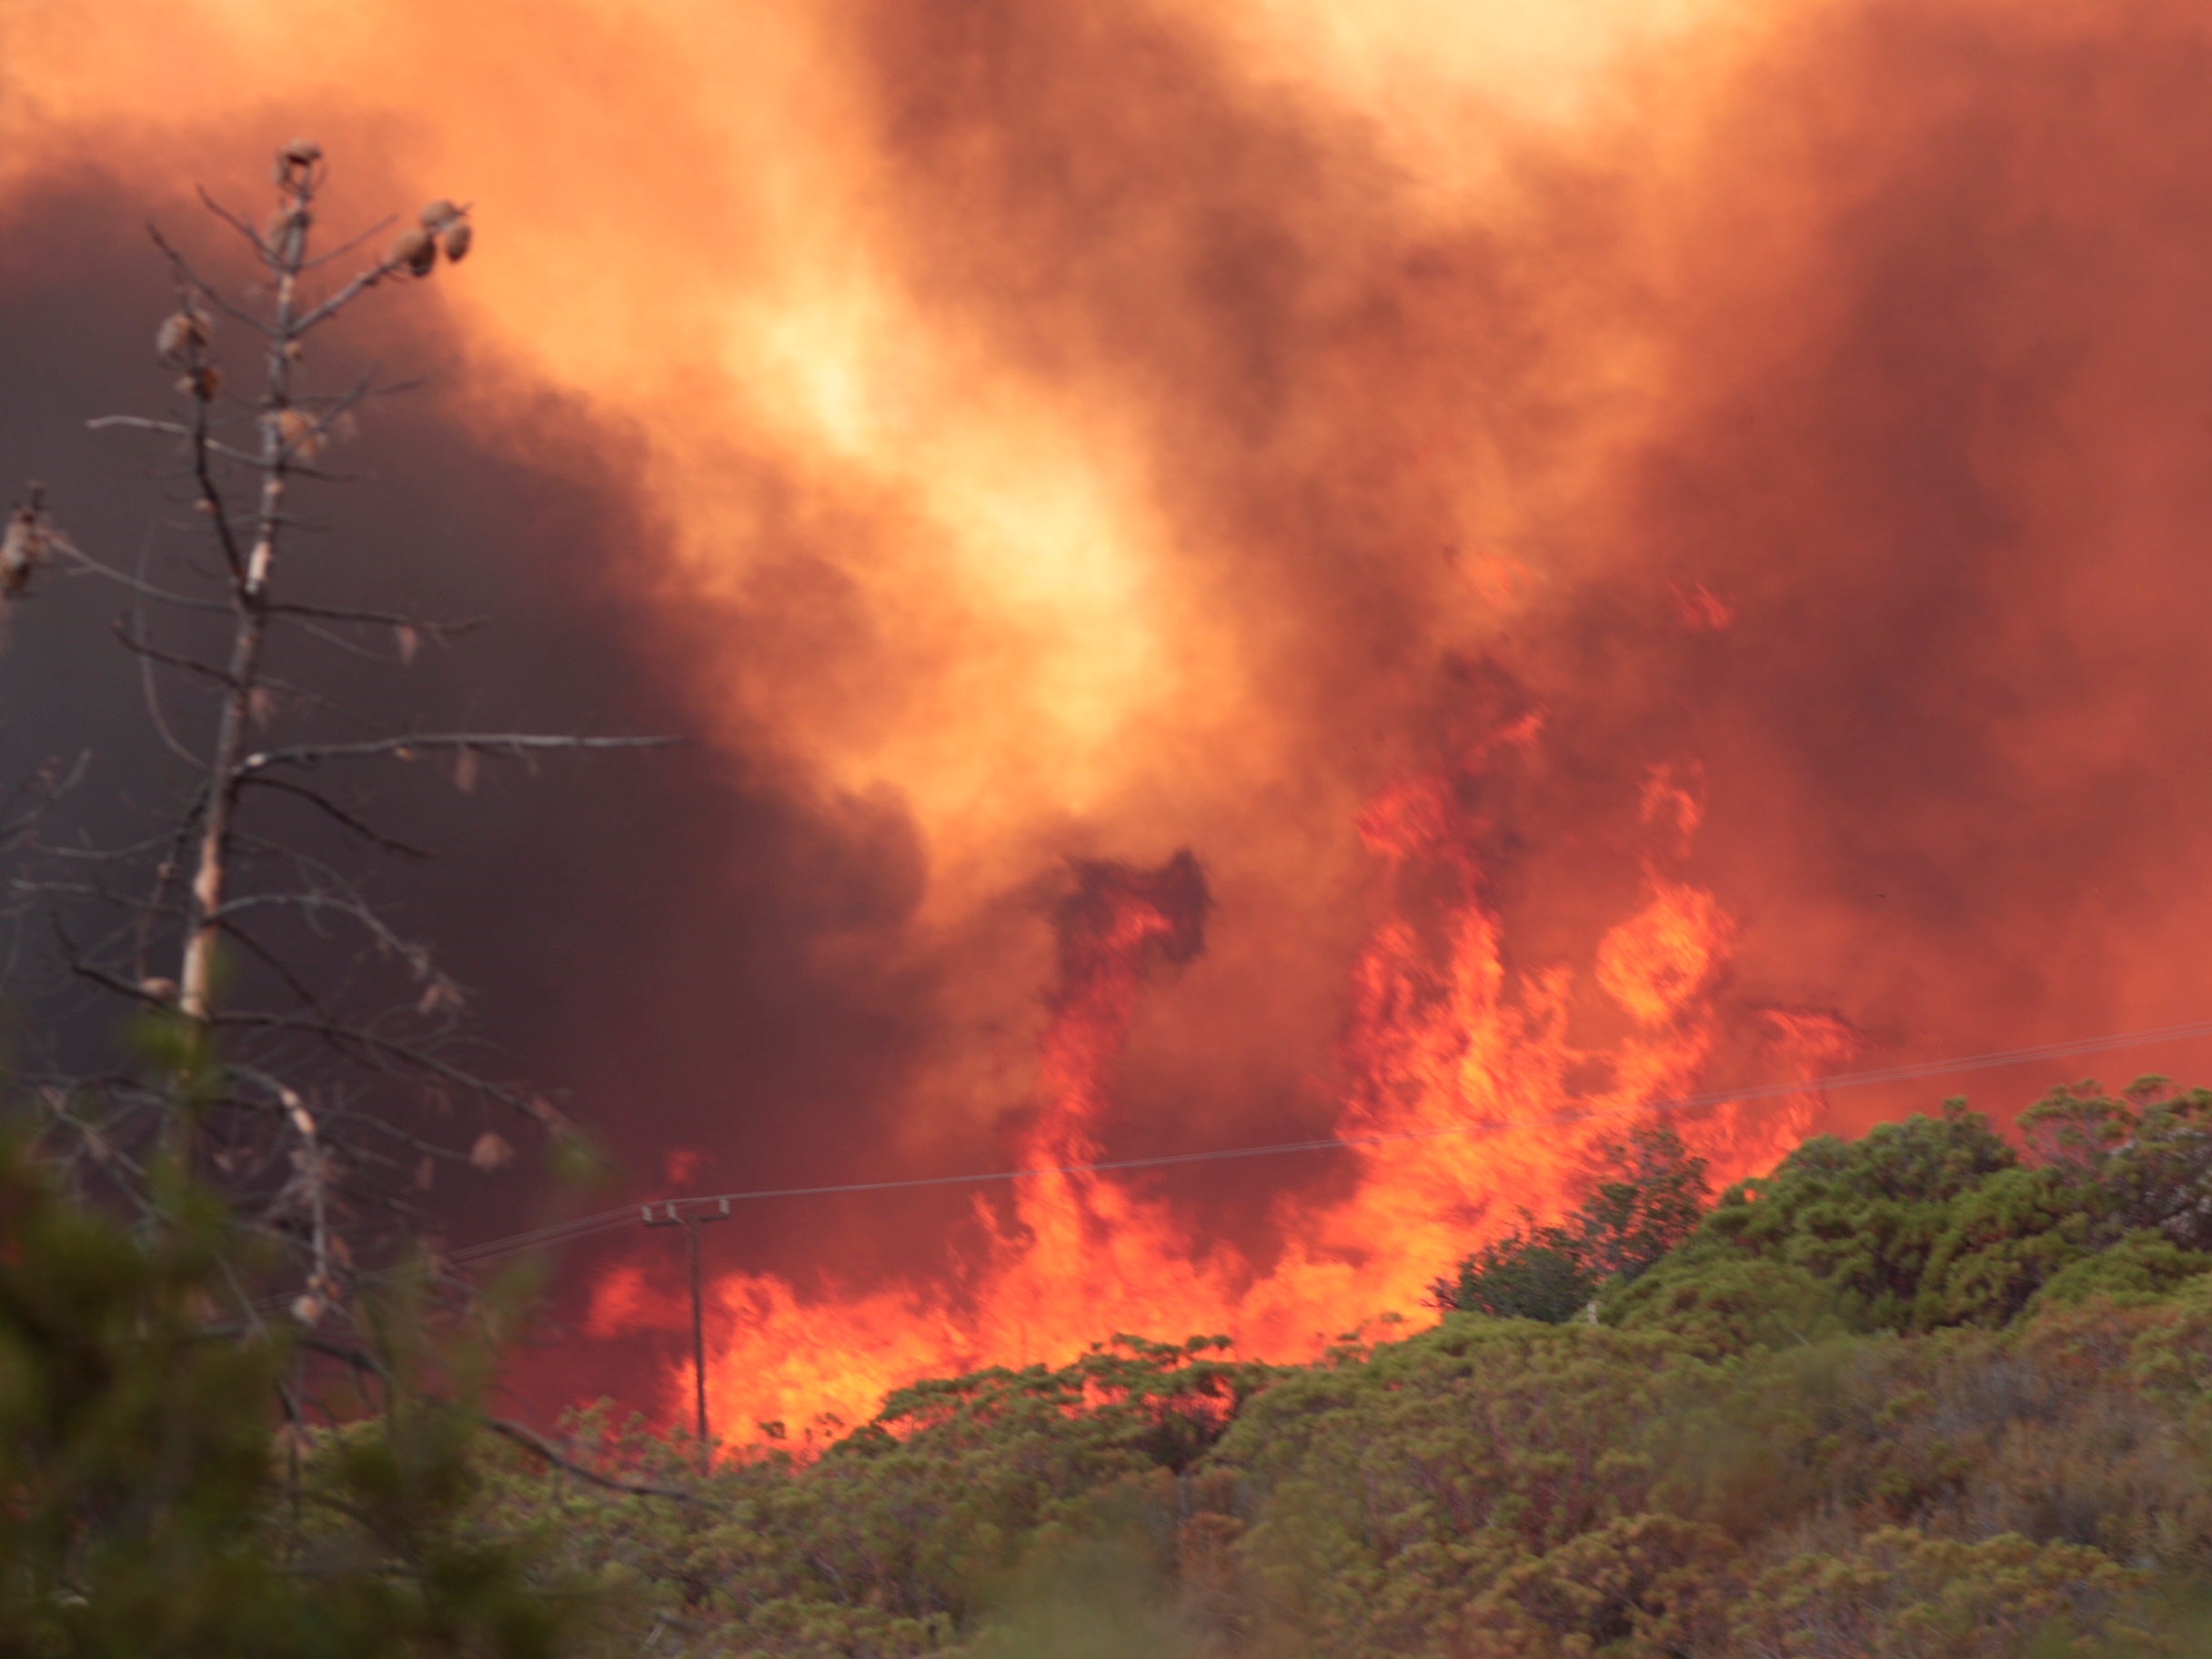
(1461, 1100)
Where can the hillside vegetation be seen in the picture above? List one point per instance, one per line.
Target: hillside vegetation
(1917, 1393)
(1922, 1393)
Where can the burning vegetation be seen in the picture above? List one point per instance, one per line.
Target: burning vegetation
(1466, 1100)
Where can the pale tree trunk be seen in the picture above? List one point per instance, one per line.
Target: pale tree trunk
(196, 980)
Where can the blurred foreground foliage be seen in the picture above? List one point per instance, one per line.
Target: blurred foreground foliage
(1915, 1394)
(158, 1497)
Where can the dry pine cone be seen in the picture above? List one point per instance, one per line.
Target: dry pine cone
(181, 334)
(416, 248)
(23, 549)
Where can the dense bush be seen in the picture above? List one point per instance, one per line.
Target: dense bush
(901, 1537)
(1646, 1204)
(1910, 1395)
(155, 1500)
(1917, 1394)
(1489, 1487)
(1937, 1221)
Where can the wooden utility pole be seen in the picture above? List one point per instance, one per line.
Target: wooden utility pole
(691, 1222)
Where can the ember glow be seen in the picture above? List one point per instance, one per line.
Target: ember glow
(1404, 569)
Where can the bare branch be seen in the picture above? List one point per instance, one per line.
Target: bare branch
(168, 660)
(87, 890)
(291, 461)
(534, 1442)
(172, 428)
(139, 584)
(346, 295)
(308, 995)
(121, 987)
(111, 855)
(352, 648)
(416, 956)
(405, 1055)
(199, 285)
(148, 688)
(142, 423)
(330, 808)
(378, 618)
(252, 237)
(504, 743)
(44, 787)
(351, 244)
(530, 1440)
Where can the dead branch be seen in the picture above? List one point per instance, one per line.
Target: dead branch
(383, 270)
(341, 817)
(137, 585)
(190, 279)
(352, 243)
(378, 618)
(169, 428)
(508, 744)
(187, 665)
(535, 1442)
(416, 956)
(403, 1055)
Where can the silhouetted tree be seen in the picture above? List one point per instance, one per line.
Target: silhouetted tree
(299, 1048)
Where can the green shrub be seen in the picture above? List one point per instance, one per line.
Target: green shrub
(1648, 1202)
(146, 1504)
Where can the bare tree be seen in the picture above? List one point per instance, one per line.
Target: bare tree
(306, 1053)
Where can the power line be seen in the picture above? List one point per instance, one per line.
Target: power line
(566, 1233)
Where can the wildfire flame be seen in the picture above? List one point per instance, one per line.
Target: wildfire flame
(1462, 1104)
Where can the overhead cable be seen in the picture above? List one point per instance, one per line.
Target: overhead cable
(565, 1233)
